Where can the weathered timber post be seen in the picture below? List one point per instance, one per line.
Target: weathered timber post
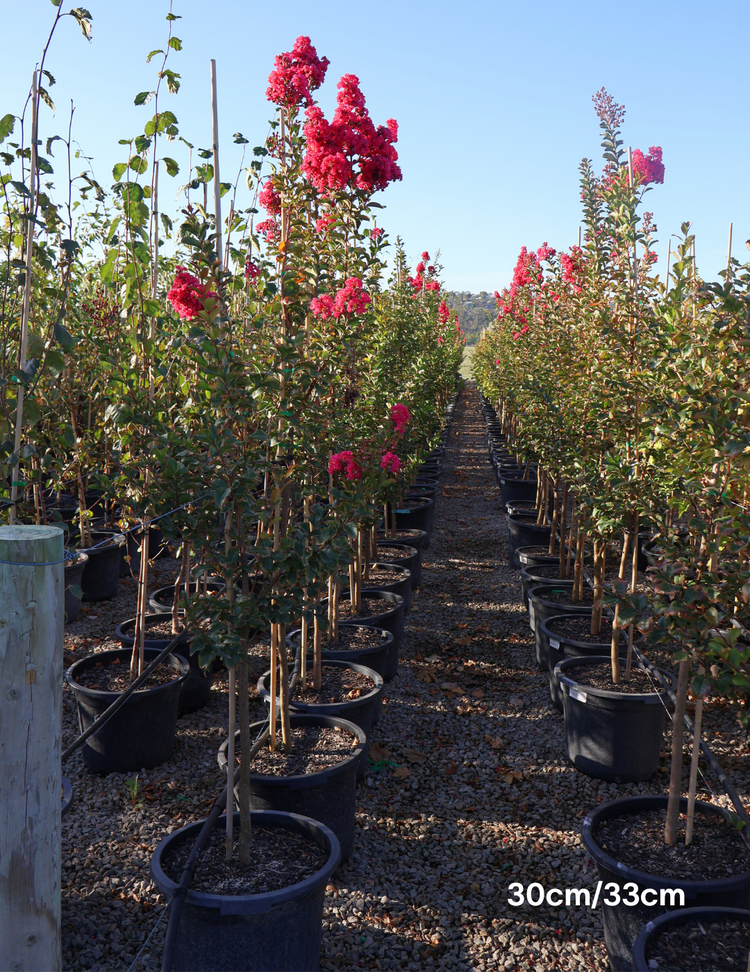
(32, 597)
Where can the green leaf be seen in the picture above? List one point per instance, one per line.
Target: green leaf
(43, 164)
(153, 54)
(31, 411)
(142, 144)
(7, 122)
(84, 18)
(75, 590)
(239, 139)
(44, 95)
(118, 170)
(35, 346)
(138, 164)
(143, 97)
(55, 363)
(175, 43)
(171, 16)
(172, 167)
(64, 337)
(224, 188)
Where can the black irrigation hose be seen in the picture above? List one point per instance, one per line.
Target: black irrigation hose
(188, 872)
(97, 724)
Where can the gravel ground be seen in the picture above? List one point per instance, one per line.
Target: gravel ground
(473, 792)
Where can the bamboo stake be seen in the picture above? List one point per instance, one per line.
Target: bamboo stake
(29, 243)
(553, 530)
(243, 789)
(729, 250)
(694, 770)
(272, 686)
(633, 585)
(317, 655)
(217, 185)
(569, 557)
(675, 780)
(669, 260)
(230, 766)
(563, 524)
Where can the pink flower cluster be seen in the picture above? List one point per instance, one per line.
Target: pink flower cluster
(390, 461)
(400, 416)
(187, 294)
(443, 312)
(344, 462)
(572, 267)
(545, 252)
(296, 74)
(350, 300)
(252, 270)
(349, 150)
(270, 230)
(376, 232)
(418, 281)
(270, 199)
(322, 224)
(648, 168)
(518, 334)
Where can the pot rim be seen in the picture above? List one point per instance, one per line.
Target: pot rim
(565, 639)
(654, 929)
(647, 698)
(625, 806)
(303, 781)
(182, 666)
(261, 902)
(574, 608)
(350, 624)
(312, 708)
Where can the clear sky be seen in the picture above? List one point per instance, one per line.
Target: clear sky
(493, 102)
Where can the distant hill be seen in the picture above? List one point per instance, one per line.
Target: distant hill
(472, 310)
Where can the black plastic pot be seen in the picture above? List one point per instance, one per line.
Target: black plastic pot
(374, 657)
(417, 542)
(557, 647)
(401, 583)
(524, 507)
(196, 689)
(514, 487)
(698, 918)
(524, 532)
(252, 932)
(414, 515)
(622, 923)
(163, 597)
(528, 557)
(540, 608)
(391, 618)
(73, 574)
(610, 735)
(327, 795)
(359, 711)
(139, 735)
(542, 574)
(158, 546)
(101, 575)
(403, 554)
(423, 491)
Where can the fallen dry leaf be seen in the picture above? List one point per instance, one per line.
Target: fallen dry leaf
(401, 773)
(464, 640)
(494, 742)
(462, 624)
(450, 686)
(451, 769)
(414, 757)
(477, 693)
(378, 752)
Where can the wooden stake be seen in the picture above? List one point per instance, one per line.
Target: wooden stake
(32, 595)
(694, 770)
(29, 243)
(675, 779)
(273, 687)
(729, 249)
(217, 185)
(230, 765)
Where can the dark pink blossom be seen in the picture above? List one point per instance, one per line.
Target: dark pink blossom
(443, 312)
(252, 270)
(648, 168)
(349, 151)
(269, 228)
(426, 256)
(390, 461)
(270, 199)
(376, 232)
(351, 300)
(296, 74)
(187, 294)
(400, 416)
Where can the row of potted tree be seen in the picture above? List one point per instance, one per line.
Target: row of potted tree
(254, 393)
(617, 408)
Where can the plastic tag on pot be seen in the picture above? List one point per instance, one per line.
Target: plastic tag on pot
(554, 645)
(575, 693)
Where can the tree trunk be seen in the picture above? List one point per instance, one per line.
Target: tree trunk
(675, 776)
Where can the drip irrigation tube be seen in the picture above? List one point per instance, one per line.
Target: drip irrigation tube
(97, 724)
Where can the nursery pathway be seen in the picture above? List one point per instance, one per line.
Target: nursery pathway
(481, 795)
(473, 790)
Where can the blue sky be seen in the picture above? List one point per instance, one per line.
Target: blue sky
(493, 102)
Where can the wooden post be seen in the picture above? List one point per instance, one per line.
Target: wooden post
(32, 595)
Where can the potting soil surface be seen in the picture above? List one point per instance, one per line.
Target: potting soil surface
(337, 685)
(469, 790)
(720, 946)
(280, 858)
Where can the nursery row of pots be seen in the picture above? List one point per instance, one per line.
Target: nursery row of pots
(609, 734)
(280, 929)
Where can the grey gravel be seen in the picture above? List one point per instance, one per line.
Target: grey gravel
(427, 884)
